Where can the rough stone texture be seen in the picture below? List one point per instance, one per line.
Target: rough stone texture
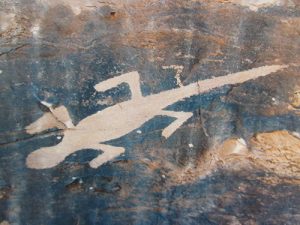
(236, 161)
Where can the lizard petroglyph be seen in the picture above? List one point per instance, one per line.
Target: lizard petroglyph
(118, 120)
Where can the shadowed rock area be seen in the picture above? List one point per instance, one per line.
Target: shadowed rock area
(235, 160)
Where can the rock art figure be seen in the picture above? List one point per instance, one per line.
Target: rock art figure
(119, 120)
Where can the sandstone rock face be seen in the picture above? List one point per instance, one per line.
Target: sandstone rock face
(149, 112)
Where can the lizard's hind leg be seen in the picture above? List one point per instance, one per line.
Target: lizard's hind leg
(132, 79)
(181, 118)
(109, 153)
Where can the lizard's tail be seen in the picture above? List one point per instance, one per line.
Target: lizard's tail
(168, 97)
(239, 77)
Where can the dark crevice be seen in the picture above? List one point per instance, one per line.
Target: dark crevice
(42, 135)
(13, 49)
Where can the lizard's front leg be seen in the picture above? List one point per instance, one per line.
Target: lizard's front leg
(181, 118)
(109, 153)
(131, 78)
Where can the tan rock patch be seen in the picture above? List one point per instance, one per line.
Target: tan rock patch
(4, 223)
(295, 100)
(277, 153)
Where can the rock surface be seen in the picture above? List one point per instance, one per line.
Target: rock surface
(234, 161)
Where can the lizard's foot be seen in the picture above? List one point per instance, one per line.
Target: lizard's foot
(131, 78)
(181, 118)
(109, 153)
